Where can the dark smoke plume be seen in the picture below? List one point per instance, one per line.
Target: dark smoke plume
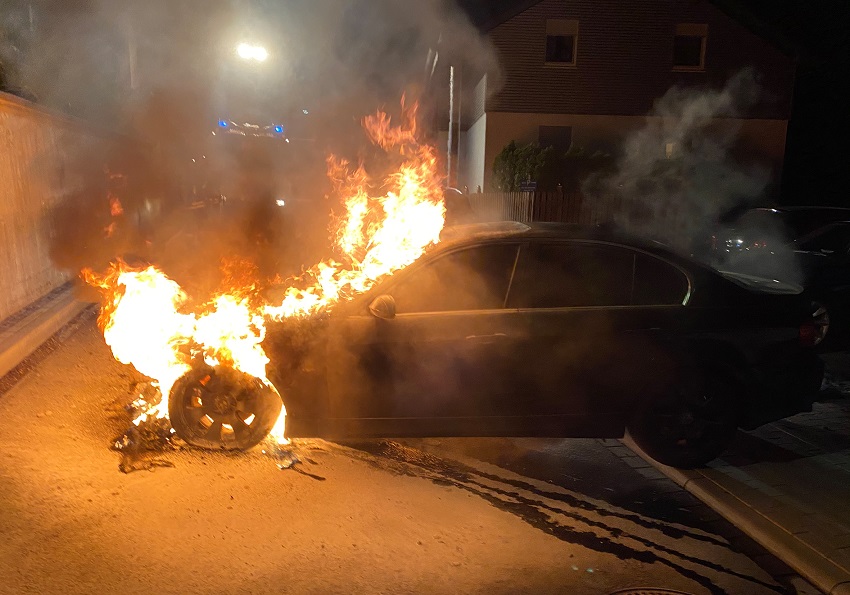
(157, 76)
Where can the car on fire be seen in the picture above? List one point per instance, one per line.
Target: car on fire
(544, 330)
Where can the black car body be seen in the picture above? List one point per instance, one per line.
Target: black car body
(551, 330)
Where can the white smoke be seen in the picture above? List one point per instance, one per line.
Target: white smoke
(676, 176)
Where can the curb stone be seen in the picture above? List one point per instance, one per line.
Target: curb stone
(812, 565)
(26, 335)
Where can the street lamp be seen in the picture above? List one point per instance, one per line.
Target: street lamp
(246, 51)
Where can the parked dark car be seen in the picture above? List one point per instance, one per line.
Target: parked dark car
(758, 230)
(549, 330)
(808, 245)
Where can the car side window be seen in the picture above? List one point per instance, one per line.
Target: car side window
(470, 279)
(571, 274)
(657, 282)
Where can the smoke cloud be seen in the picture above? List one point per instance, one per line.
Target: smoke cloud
(157, 77)
(676, 176)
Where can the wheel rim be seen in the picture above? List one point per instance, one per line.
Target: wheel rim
(820, 318)
(685, 426)
(689, 422)
(223, 409)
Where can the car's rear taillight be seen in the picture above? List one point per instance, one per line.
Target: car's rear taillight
(810, 334)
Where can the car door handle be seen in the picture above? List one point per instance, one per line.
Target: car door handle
(487, 338)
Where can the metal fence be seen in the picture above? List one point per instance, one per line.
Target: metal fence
(557, 206)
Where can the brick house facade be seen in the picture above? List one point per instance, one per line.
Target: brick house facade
(584, 73)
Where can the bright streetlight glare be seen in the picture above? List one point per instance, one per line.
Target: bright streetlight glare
(246, 51)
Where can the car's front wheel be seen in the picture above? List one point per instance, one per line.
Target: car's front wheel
(692, 427)
(220, 408)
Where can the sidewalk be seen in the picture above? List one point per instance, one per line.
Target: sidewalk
(23, 332)
(787, 485)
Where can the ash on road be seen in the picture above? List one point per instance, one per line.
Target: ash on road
(427, 516)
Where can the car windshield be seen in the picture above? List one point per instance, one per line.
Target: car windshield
(766, 223)
(833, 238)
(787, 225)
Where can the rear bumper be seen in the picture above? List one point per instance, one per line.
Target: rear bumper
(783, 388)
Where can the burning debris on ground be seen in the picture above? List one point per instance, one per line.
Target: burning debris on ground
(145, 444)
(140, 444)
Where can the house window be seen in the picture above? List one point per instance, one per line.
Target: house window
(689, 46)
(560, 137)
(561, 41)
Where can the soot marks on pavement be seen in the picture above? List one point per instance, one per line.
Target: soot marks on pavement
(461, 472)
(535, 513)
(589, 474)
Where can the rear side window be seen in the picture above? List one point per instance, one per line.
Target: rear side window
(470, 279)
(657, 282)
(558, 275)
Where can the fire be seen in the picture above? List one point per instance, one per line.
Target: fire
(115, 208)
(150, 323)
(142, 325)
(377, 235)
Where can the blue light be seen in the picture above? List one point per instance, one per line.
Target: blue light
(278, 129)
(222, 124)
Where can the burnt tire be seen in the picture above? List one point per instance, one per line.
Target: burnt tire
(223, 409)
(693, 427)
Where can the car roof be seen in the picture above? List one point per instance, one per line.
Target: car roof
(538, 230)
(812, 208)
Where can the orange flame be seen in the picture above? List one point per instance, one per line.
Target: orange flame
(115, 208)
(377, 234)
(145, 316)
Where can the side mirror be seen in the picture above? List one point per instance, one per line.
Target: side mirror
(383, 307)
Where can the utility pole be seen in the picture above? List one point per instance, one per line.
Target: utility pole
(459, 118)
(451, 124)
(132, 53)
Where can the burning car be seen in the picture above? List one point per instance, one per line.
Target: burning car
(516, 330)
(410, 329)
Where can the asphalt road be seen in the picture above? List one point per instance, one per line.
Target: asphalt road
(438, 516)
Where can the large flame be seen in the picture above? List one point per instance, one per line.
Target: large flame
(147, 319)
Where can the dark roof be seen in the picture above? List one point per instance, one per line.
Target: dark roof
(487, 14)
(768, 19)
(570, 231)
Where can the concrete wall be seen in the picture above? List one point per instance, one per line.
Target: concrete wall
(35, 170)
(473, 160)
(761, 141)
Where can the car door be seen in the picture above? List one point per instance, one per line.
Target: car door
(593, 339)
(430, 368)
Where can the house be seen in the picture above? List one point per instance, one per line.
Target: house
(584, 73)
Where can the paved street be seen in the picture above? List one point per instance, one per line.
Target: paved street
(494, 516)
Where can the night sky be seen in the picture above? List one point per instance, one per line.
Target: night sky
(817, 34)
